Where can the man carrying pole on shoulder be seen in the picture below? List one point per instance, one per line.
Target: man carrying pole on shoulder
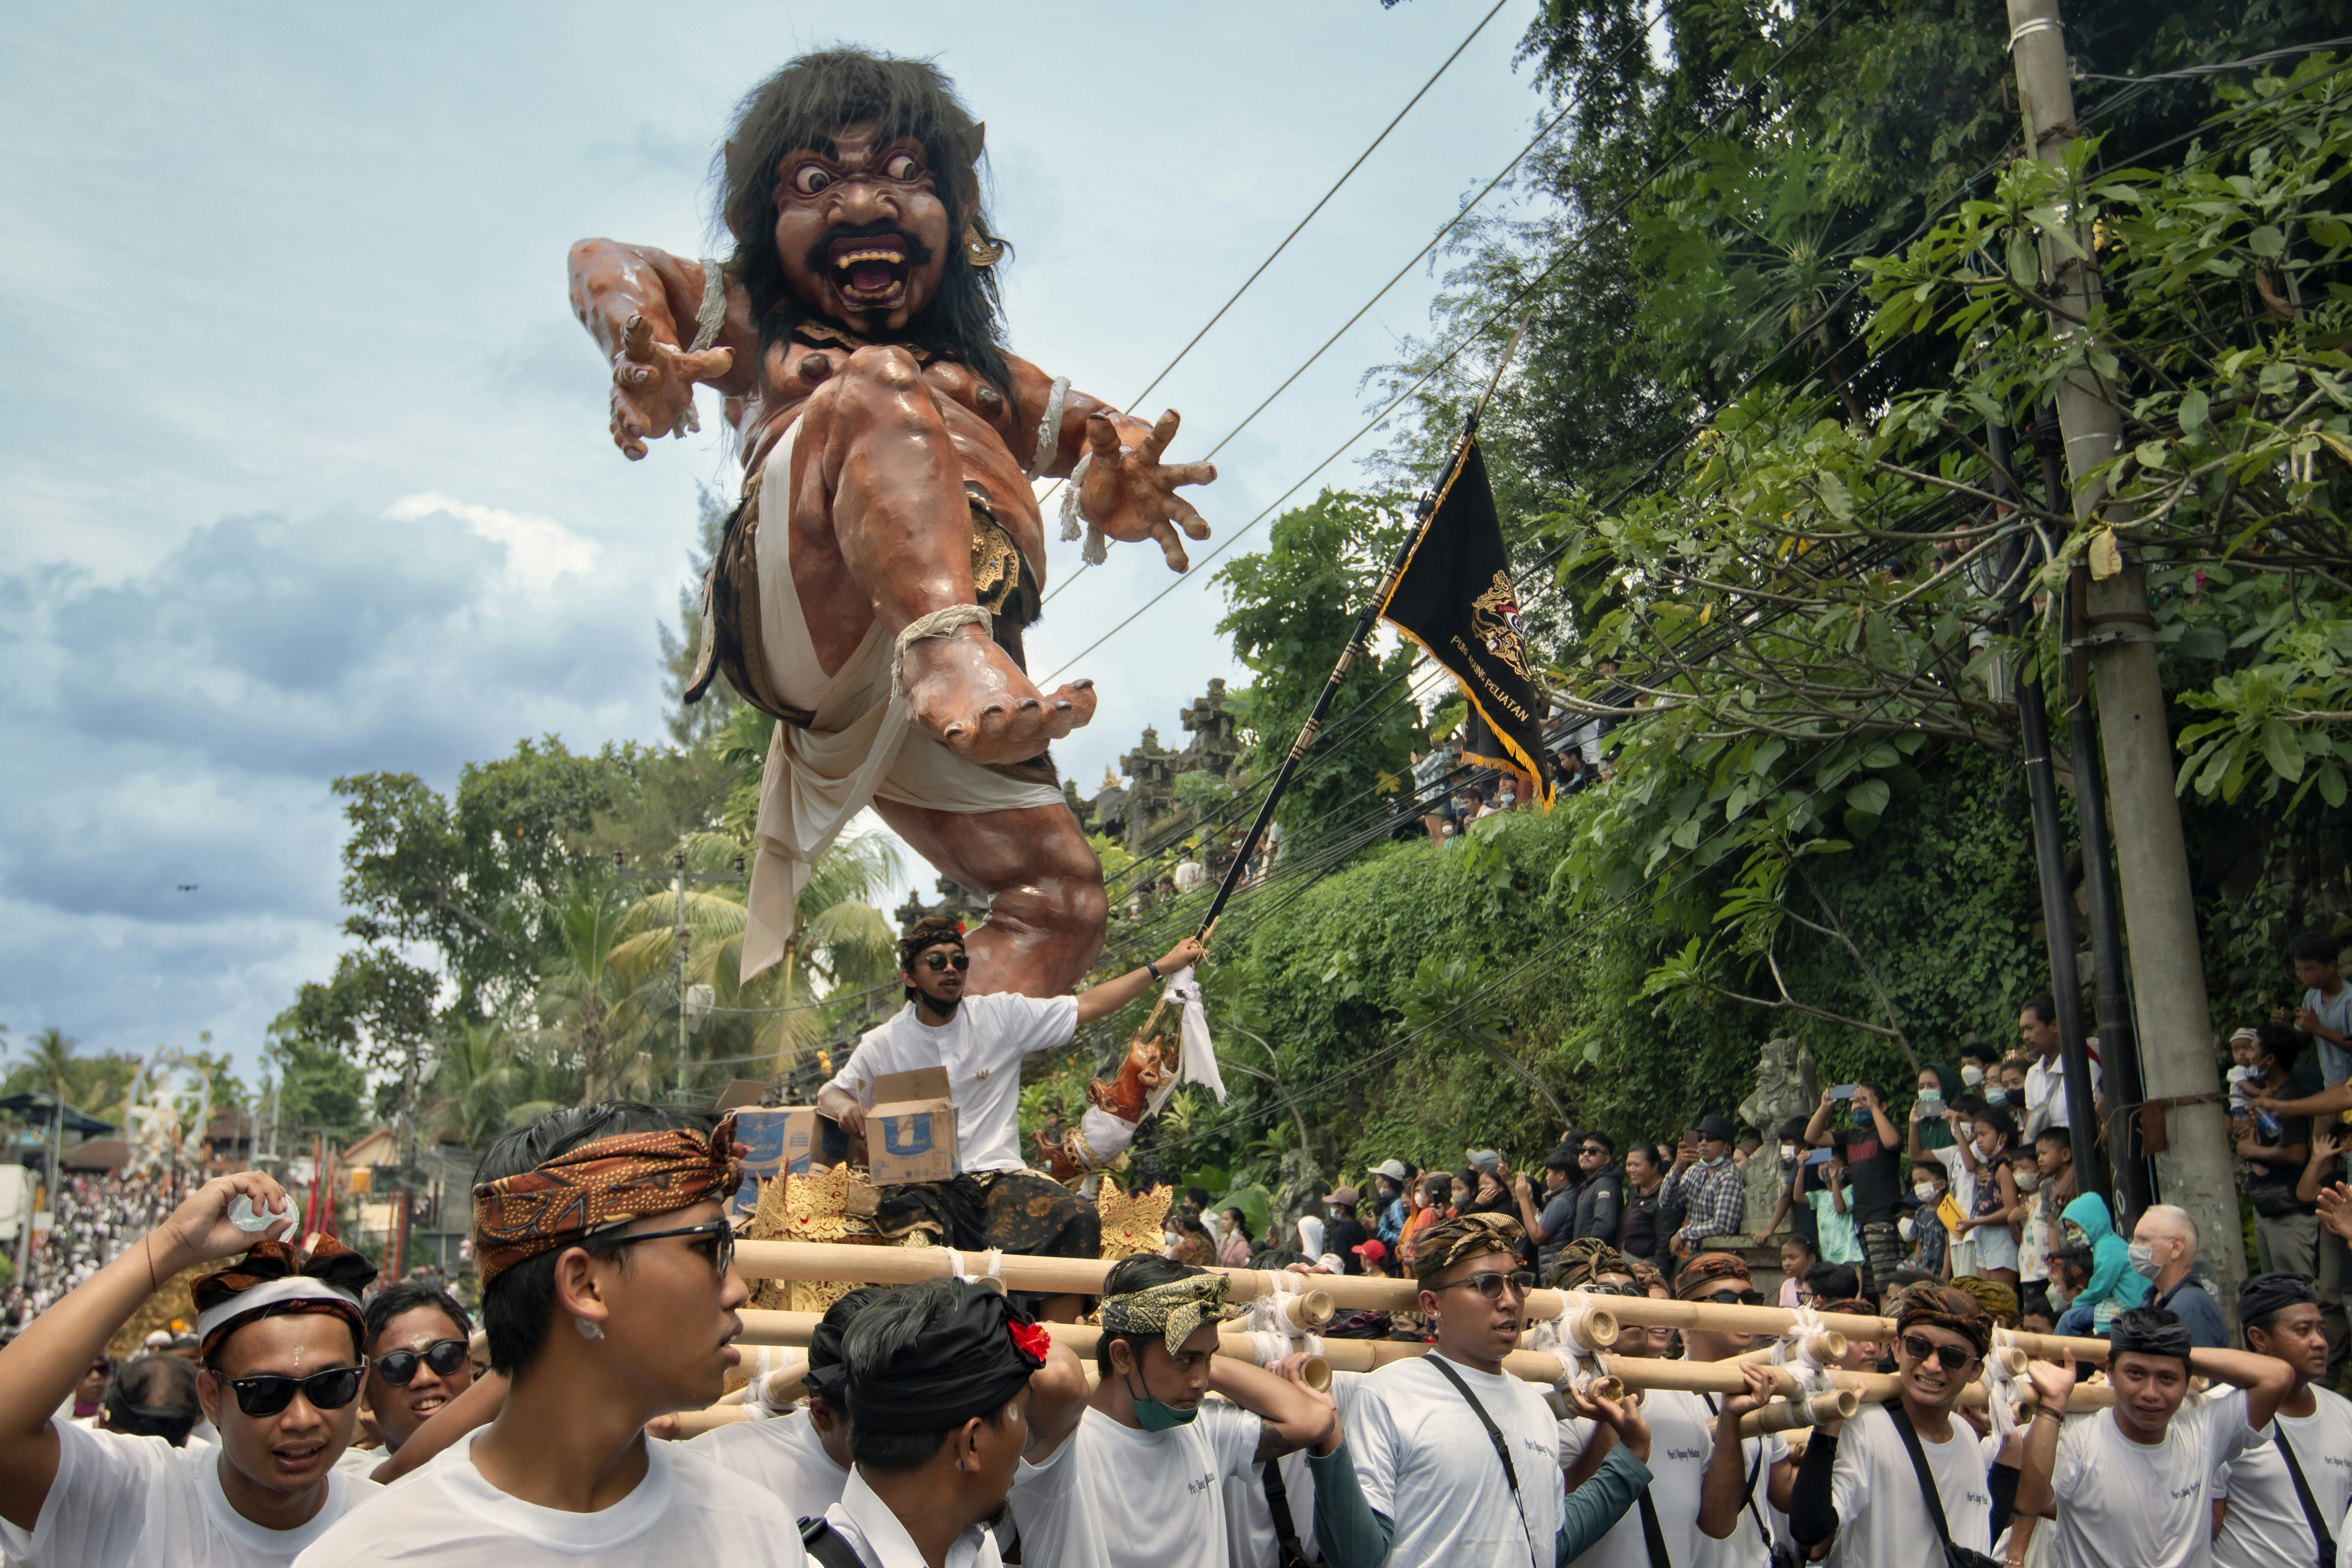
(1863, 1484)
(949, 1386)
(1454, 1461)
(2133, 1486)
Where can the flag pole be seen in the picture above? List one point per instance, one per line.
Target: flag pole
(1357, 648)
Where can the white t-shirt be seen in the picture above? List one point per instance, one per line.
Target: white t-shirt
(1427, 1466)
(2049, 1083)
(686, 1510)
(2123, 1504)
(1749, 1544)
(1882, 1519)
(118, 1500)
(1682, 1439)
(982, 1048)
(1250, 1536)
(783, 1457)
(1113, 1493)
(2263, 1523)
(866, 1522)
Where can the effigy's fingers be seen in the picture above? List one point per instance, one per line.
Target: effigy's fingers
(1162, 434)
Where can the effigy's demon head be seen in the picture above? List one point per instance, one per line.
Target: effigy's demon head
(852, 190)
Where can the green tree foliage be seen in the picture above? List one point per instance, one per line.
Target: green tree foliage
(1291, 609)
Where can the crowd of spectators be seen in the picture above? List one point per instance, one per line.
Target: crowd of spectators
(92, 1219)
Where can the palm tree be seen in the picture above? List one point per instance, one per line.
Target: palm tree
(591, 1001)
(51, 1066)
(841, 942)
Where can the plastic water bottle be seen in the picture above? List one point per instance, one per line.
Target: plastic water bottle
(2268, 1123)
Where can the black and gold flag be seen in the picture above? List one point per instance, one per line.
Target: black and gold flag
(1455, 598)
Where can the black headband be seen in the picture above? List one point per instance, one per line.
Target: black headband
(976, 1355)
(2267, 1293)
(2149, 1330)
(822, 1379)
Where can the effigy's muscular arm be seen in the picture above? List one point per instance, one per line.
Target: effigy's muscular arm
(1124, 488)
(641, 305)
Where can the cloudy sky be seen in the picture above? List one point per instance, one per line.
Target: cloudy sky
(304, 470)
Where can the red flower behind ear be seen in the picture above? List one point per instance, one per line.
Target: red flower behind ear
(1033, 1341)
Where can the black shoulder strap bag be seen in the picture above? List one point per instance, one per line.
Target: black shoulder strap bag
(1502, 1449)
(1774, 1550)
(824, 1543)
(1954, 1556)
(2319, 1530)
(1287, 1551)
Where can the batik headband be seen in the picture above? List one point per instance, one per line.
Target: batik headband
(1449, 1241)
(1173, 1310)
(1696, 1277)
(275, 1276)
(603, 1183)
(1948, 1306)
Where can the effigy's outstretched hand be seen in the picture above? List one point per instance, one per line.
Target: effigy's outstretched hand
(1132, 495)
(653, 385)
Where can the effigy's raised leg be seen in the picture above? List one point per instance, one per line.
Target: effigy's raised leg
(1046, 906)
(891, 482)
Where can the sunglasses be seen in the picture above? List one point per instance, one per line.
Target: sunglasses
(1735, 1298)
(718, 1234)
(1633, 1290)
(935, 962)
(1491, 1285)
(1951, 1358)
(398, 1368)
(269, 1393)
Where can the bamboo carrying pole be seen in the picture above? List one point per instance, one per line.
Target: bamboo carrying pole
(1787, 1414)
(1347, 1292)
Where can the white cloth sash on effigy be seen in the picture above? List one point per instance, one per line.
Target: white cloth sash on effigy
(861, 744)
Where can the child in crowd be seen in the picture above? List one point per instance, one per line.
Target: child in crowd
(1797, 1256)
(2112, 1287)
(1929, 1240)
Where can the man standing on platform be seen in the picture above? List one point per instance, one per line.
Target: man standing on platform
(993, 1201)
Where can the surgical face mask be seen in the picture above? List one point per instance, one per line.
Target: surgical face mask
(1996, 1097)
(1158, 1415)
(1787, 1152)
(2143, 1260)
(1972, 1076)
(1908, 1228)
(1860, 1118)
(1924, 1191)
(1171, 1237)
(2027, 1181)
(1711, 1164)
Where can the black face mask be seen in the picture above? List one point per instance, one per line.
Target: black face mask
(173, 1423)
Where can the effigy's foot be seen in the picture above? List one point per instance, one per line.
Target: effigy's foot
(968, 692)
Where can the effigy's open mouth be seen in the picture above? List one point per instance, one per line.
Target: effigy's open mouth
(870, 272)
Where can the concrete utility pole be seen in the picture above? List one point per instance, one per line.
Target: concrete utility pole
(2151, 856)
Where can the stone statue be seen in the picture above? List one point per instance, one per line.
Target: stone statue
(1784, 1087)
(871, 587)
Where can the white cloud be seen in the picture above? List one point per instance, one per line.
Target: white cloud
(538, 548)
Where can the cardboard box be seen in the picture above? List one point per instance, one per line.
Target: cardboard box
(781, 1141)
(910, 1131)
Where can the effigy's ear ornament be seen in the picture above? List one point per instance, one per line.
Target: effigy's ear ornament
(982, 253)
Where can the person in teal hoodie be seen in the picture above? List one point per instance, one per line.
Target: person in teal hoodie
(2112, 1285)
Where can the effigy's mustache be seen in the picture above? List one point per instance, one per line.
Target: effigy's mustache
(820, 254)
